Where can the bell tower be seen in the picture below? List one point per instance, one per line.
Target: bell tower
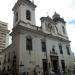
(60, 24)
(24, 11)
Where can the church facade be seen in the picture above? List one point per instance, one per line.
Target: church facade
(41, 48)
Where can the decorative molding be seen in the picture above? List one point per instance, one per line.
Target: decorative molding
(18, 28)
(43, 39)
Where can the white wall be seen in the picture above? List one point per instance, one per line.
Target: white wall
(22, 14)
(37, 55)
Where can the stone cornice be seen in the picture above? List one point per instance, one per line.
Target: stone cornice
(47, 19)
(18, 29)
(62, 35)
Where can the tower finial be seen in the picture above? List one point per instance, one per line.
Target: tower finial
(47, 14)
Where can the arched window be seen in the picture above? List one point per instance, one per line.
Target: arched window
(68, 50)
(28, 15)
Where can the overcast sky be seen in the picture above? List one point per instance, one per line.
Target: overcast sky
(66, 9)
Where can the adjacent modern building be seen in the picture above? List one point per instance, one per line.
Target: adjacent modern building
(36, 48)
(4, 35)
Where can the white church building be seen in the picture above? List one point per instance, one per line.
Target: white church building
(41, 48)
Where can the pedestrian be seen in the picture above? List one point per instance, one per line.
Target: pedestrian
(35, 73)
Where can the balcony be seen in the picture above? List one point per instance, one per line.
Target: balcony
(53, 53)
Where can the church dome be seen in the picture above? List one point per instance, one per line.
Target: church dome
(56, 15)
(56, 18)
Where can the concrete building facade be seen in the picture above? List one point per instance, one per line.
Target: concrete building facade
(4, 35)
(37, 48)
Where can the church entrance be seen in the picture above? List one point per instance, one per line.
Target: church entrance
(55, 63)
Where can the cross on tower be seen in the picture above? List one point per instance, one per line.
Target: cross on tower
(47, 13)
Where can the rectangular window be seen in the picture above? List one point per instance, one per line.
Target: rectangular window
(4, 69)
(8, 57)
(43, 46)
(0, 62)
(63, 65)
(16, 16)
(14, 60)
(29, 44)
(28, 15)
(8, 68)
(4, 59)
(68, 51)
(60, 48)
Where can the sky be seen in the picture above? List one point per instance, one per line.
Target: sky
(66, 9)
